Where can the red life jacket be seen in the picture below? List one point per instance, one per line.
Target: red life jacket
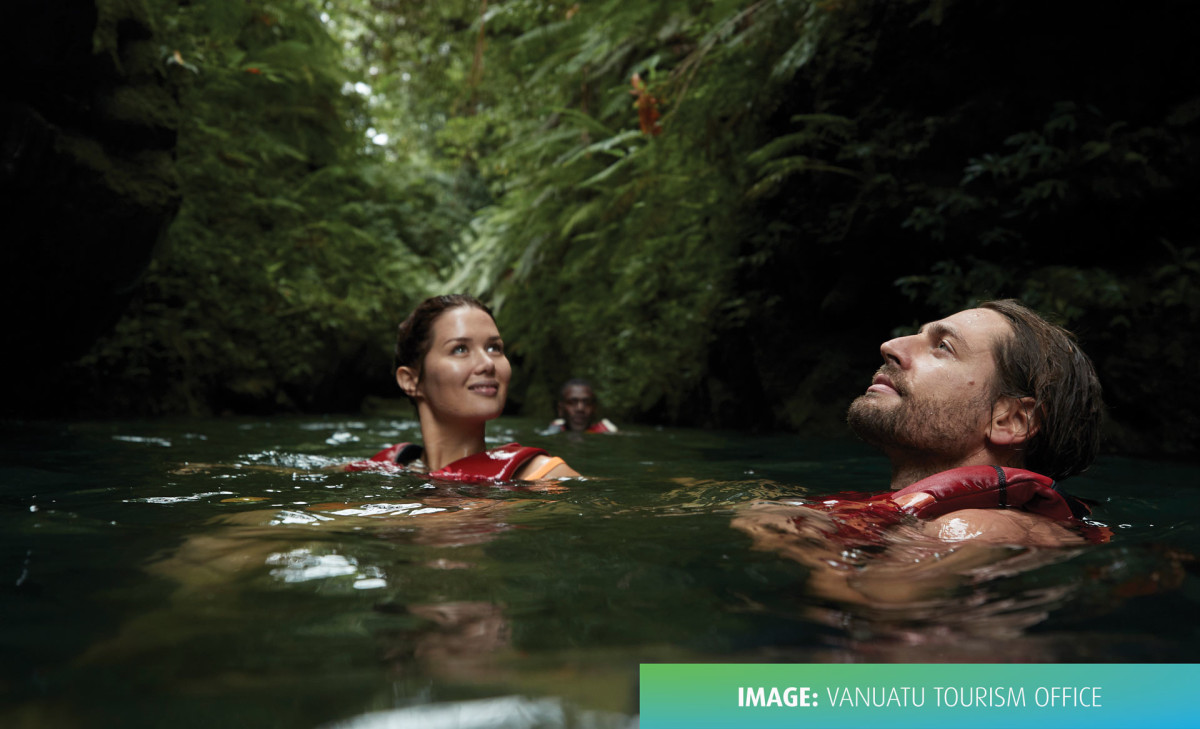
(603, 426)
(497, 464)
(559, 425)
(862, 518)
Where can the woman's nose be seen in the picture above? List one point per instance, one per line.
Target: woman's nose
(485, 363)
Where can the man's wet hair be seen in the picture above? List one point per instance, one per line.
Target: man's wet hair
(1043, 361)
(575, 382)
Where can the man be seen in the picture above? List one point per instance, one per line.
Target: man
(577, 410)
(994, 386)
(989, 389)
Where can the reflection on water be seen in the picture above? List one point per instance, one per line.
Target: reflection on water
(209, 573)
(508, 712)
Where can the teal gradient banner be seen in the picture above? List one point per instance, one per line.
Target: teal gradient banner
(929, 696)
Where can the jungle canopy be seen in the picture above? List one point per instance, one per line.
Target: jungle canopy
(714, 210)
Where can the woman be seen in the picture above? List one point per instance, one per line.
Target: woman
(450, 363)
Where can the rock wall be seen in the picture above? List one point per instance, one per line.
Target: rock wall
(87, 137)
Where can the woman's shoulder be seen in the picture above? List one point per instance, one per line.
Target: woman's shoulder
(531, 463)
(545, 466)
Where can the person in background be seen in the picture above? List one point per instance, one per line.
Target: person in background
(450, 363)
(577, 410)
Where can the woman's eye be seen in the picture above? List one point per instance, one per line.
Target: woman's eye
(459, 349)
(496, 347)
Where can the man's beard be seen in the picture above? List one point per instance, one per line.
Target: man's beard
(926, 428)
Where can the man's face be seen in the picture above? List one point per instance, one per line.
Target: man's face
(577, 407)
(933, 396)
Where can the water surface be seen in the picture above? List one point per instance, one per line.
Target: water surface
(217, 573)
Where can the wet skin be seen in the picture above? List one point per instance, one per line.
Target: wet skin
(932, 405)
(461, 384)
(577, 407)
(465, 375)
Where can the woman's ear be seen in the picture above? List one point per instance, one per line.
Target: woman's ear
(409, 381)
(1014, 421)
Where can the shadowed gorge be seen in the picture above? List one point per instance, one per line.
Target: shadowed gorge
(88, 176)
(224, 207)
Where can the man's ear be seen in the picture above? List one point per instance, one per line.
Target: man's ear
(409, 381)
(1014, 421)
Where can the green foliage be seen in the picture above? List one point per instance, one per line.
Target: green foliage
(722, 242)
(826, 172)
(295, 250)
(1073, 218)
(631, 240)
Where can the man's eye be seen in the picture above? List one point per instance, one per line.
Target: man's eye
(945, 345)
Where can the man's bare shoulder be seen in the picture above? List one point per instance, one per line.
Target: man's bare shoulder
(1001, 526)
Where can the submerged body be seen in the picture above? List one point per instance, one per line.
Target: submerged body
(587, 582)
(497, 464)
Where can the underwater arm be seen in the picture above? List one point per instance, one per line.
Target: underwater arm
(1000, 526)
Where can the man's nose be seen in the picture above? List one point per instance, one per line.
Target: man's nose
(897, 351)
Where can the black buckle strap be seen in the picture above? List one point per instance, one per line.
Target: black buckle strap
(1003, 496)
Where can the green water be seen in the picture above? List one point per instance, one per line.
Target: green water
(182, 574)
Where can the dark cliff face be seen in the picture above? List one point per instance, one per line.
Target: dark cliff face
(87, 138)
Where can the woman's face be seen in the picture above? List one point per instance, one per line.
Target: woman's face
(465, 373)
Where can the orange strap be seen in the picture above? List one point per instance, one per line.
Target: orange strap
(551, 463)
